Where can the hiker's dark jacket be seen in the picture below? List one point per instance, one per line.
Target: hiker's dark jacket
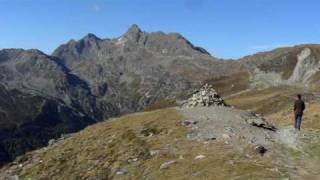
(299, 107)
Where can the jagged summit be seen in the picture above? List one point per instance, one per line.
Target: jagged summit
(133, 46)
(171, 44)
(134, 33)
(91, 36)
(134, 29)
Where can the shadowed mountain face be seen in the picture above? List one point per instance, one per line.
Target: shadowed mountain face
(28, 121)
(40, 100)
(92, 79)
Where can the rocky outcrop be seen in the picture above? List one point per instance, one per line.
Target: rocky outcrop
(296, 65)
(205, 96)
(305, 68)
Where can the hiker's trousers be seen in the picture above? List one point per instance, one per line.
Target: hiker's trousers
(297, 123)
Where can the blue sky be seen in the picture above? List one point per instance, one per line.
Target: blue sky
(226, 28)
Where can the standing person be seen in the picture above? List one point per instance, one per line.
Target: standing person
(299, 107)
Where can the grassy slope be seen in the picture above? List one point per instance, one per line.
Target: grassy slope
(100, 150)
(276, 103)
(162, 104)
(315, 82)
(310, 119)
(267, 101)
(264, 101)
(231, 84)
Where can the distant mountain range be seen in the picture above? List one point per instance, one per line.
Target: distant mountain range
(92, 79)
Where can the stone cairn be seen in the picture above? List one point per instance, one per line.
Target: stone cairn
(206, 96)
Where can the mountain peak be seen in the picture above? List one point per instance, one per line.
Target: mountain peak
(133, 33)
(91, 36)
(134, 28)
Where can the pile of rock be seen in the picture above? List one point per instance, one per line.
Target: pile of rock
(206, 96)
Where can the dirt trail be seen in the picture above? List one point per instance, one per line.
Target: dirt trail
(293, 153)
(226, 123)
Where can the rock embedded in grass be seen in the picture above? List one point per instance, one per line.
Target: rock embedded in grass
(199, 157)
(123, 171)
(167, 164)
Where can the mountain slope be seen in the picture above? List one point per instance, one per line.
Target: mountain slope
(298, 65)
(40, 100)
(155, 145)
(202, 141)
(33, 72)
(29, 121)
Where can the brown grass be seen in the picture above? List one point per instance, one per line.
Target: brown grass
(161, 105)
(311, 118)
(231, 84)
(315, 82)
(276, 104)
(261, 101)
(100, 150)
(267, 101)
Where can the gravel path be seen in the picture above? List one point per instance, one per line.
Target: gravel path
(233, 127)
(296, 152)
(226, 124)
